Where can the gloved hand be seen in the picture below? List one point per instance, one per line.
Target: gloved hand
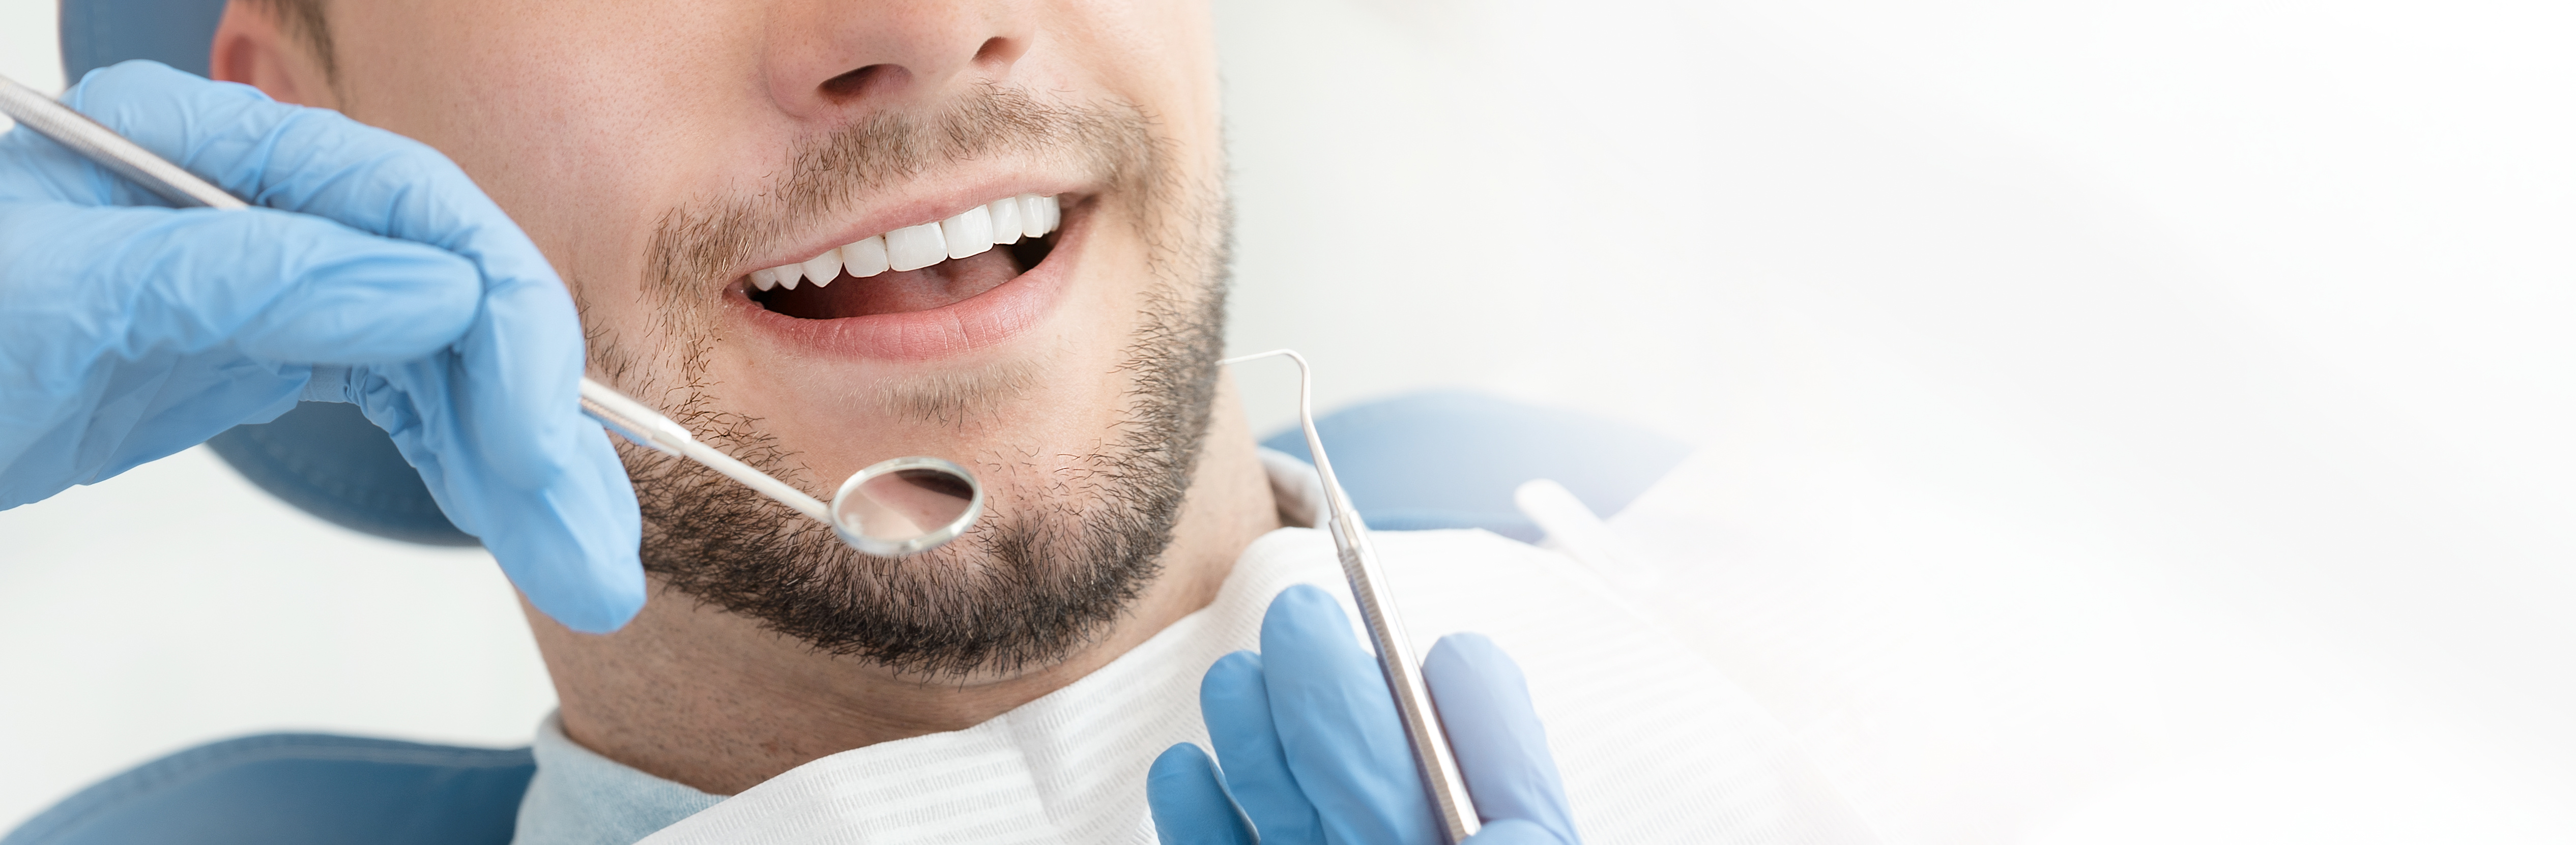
(129, 332)
(1314, 753)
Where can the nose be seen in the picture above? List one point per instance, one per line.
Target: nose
(830, 57)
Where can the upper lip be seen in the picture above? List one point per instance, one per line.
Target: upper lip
(911, 208)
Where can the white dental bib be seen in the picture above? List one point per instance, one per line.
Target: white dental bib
(1653, 744)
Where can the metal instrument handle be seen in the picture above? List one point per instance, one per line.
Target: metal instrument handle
(1395, 658)
(110, 150)
(637, 422)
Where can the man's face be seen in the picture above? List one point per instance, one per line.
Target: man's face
(662, 151)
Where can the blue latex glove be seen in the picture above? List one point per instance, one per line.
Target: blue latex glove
(1314, 753)
(129, 332)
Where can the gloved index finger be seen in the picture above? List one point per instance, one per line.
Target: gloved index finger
(1189, 804)
(120, 282)
(523, 359)
(1235, 699)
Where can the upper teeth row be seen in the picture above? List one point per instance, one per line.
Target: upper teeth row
(1002, 221)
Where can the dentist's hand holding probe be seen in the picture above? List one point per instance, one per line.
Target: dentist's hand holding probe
(374, 272)
(1313, 752)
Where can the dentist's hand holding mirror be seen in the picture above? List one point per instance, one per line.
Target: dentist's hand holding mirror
(145, 307)
(367, 268)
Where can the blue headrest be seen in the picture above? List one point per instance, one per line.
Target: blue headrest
(1452, 459)
(326, 458)
(98, 33)
(291, 789)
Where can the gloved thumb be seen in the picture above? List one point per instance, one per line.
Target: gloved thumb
(1502, 750)
(579, 567)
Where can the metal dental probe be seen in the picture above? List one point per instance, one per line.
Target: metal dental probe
(1395, 659)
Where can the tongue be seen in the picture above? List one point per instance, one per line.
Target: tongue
(891, 292)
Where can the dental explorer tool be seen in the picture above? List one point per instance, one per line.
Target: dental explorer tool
(1395, 659)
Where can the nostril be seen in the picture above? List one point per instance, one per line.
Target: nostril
(866, 81)
(1001, 51)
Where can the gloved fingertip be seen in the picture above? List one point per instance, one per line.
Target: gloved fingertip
(1231, 674)
(1495, 733)
(1470, 657)
(1180, 763)
(608, 606)
(575, 557)
(617, 566)
(1235, 702)
(612, 591)
(1189, 803)
(1307, 598)
(1515, 832)
(1303, 618)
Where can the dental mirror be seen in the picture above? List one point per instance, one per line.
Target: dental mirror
(900, 507)
(906, 506)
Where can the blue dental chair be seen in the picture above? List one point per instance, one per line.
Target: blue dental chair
(1421, 461)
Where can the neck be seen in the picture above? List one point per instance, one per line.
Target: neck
(694, 694)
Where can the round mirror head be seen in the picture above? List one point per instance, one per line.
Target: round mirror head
(906, 506)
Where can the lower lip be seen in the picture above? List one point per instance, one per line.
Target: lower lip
(976, 322)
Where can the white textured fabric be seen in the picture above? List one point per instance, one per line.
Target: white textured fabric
(581, 798)
(1654, 745)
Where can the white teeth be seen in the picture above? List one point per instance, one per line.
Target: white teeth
(915, 247)
(1002, 221)
(1006, 220)
(865, 258)
(824, 268)
(969, 233)
(1037, 214)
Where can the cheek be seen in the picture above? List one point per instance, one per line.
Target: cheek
(548, 107)
(1166, 47)
(1160, 54)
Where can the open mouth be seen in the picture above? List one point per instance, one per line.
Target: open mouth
(915, 268)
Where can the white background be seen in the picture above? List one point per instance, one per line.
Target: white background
(2122, 421)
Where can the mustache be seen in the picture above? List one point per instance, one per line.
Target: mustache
(1109, 142)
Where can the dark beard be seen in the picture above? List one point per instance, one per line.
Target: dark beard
(1057, 556)
(1022, 589)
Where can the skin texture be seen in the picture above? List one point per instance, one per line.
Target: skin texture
(595, 122)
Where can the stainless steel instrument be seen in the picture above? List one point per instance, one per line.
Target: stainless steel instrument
(1395, 655)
